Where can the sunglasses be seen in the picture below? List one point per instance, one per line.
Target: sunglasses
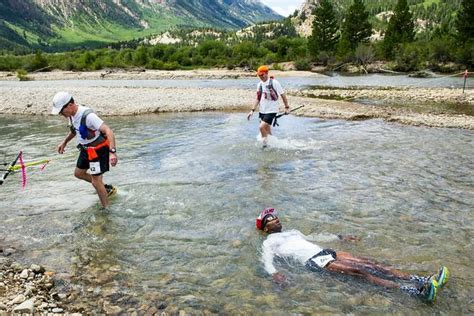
(270, 218)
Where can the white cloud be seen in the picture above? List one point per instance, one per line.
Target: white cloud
(283, 7)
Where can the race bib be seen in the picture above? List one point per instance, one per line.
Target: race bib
(94, 167)
(322, 261)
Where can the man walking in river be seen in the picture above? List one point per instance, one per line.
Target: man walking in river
(96, 143)
(268, 92)
(293, 245)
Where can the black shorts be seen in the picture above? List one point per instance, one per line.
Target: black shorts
(267, 117)
(102, 160)
(329, 256)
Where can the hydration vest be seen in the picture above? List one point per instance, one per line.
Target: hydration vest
(85, 132)
(273, 93)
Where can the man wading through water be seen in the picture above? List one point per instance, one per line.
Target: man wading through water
(268, 92)
(293, 245)
(96, 143)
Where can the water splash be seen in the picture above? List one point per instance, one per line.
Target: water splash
(287, 143)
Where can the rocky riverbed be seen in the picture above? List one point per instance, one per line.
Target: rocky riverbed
(29, 290)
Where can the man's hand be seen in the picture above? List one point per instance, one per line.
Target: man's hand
(61, 147)
(352, 238)
(249, 115)
(287, 110)
(113, 159)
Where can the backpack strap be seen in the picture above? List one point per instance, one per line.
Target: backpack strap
(83, 130)
(260, 91)
(84, 116)
(273, 92)
(71, 126)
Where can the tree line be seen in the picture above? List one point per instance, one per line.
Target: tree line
(333, 41)
(349, 41)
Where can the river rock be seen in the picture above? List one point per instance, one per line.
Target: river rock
(36, 268)
(17, 300)
(25, 307)
(16, 266)
(3, 307)
(57, 310)
(114, 310)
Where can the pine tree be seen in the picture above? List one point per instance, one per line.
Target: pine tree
(325, 35)
(401, 28)
(465, 21)
(356, 27)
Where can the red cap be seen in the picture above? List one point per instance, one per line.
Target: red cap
(260, 221)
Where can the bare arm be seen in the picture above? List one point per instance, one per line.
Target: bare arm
(253, 109)
(107, 131)
(285, 101)
(62, 146)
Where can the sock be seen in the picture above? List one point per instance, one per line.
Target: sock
(412, 291)
(418, 279)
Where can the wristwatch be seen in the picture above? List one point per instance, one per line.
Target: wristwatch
(113, 150)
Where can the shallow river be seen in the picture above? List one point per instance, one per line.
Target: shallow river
(181, 229)
(295, 82)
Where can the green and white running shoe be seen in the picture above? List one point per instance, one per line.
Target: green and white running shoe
(429, 291)
(442, 277)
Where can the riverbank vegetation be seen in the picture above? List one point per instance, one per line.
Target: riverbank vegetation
(337, 39)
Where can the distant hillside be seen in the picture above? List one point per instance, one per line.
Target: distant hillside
(429, 13)
(56, 24)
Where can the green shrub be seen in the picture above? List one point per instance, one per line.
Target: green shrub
(303, 64)
(277, 66)
(409, 57)
(22, 75)
(171, 66)
(364, 54)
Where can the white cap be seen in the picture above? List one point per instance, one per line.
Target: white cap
(60, 100)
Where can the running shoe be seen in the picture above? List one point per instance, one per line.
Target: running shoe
(428, 292)
(442, 277)
(111, 190)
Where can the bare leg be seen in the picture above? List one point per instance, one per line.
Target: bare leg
(265, 129)
(97, 183)
(82, 174)
(349, 268)
(100, 188)
(385, 269)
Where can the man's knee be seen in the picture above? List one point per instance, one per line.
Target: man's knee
(79, 173)
(264, 127)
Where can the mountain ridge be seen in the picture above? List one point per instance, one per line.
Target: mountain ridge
(53, 23)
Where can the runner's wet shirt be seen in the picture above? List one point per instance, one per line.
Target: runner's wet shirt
(269, 104)
(93, 123)
(289, 244)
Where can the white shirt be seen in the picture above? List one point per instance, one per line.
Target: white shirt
(266, 103)
(93, 122)
(290, 244)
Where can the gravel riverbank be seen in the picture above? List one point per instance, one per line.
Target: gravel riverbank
(411, 106)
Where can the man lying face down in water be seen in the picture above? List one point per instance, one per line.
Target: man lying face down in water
(292, 244)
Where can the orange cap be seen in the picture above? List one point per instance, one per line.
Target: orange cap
(261, 70)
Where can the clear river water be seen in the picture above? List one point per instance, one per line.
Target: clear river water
(181, 229)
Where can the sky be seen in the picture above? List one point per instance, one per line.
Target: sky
(283, 7)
